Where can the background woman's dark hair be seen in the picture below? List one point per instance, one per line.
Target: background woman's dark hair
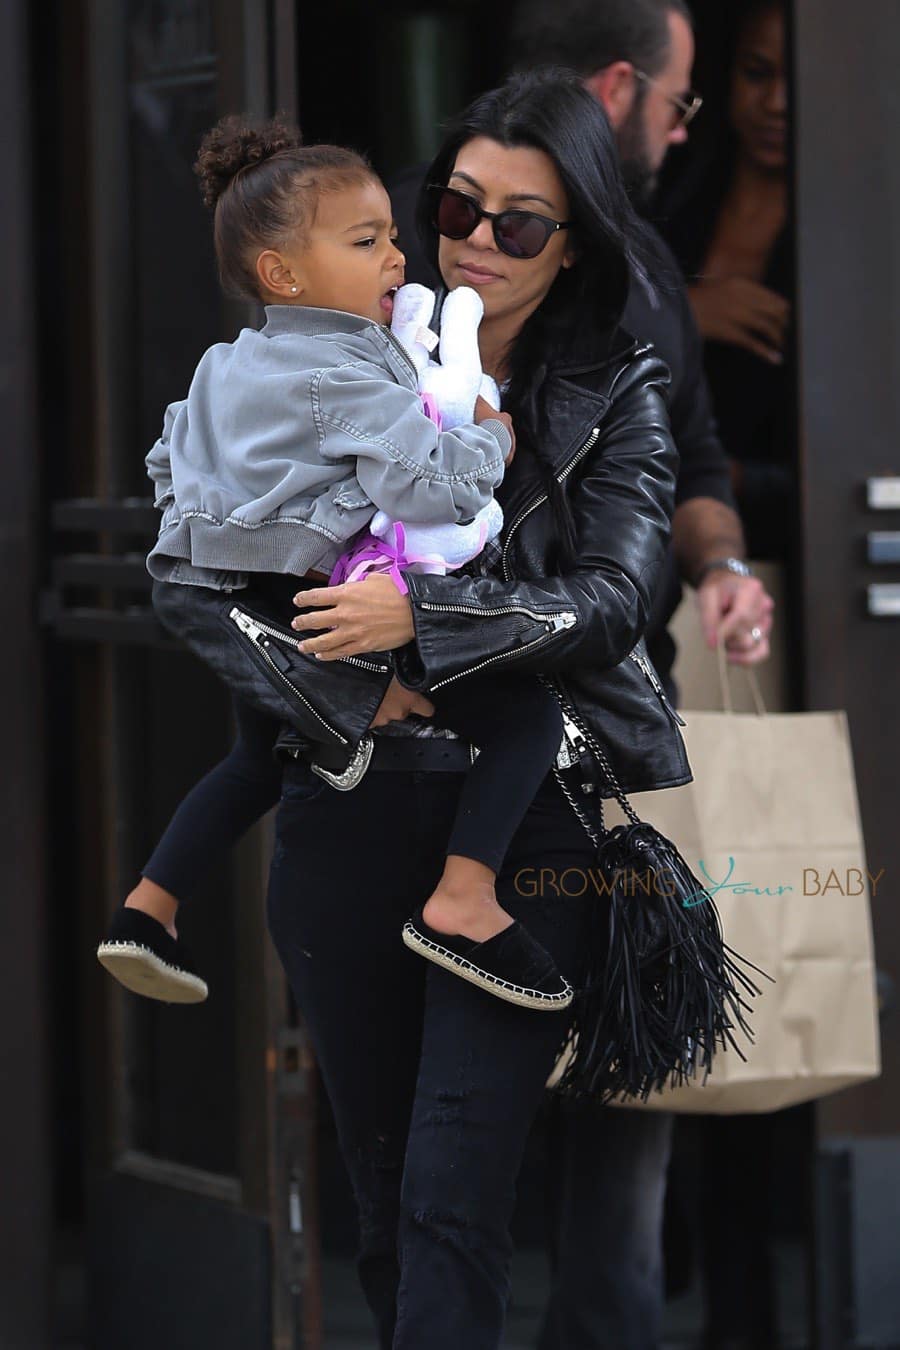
(550, 110)
(696, 176)
(264, 186)
(737, 16)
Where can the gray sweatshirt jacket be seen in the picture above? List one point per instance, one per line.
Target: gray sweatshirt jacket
(291, 438)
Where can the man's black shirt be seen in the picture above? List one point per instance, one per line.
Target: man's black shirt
(664, 318)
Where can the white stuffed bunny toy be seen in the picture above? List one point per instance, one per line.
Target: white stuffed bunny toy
(451, 389)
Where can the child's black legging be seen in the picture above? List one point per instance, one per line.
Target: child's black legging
(516, 724)
(221, 807)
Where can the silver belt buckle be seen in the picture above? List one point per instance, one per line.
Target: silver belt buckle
(355, 770)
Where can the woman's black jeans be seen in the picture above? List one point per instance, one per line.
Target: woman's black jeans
(434, 1083)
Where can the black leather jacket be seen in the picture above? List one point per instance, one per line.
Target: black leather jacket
(615, 458)
(614, 454)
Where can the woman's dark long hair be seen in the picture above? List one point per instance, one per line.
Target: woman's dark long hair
(550, 110)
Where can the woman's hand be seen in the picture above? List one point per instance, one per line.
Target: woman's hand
(399, 702)
(744, 313)
(359, 617)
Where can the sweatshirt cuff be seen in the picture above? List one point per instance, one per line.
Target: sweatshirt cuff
(500, 434)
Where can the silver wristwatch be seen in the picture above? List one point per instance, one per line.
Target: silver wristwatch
(735, 565)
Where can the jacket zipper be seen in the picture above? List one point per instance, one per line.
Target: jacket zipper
(560, 477)
(553, 623)
(481, 612)
(290, 640)
(255, 632)
(363, 665)
(644, 665)
(639, 661)
(398, 345)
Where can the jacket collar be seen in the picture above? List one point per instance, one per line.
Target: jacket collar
(576, 395)
(572, 410)
(309, 322)
(578, 389)
(595, 353)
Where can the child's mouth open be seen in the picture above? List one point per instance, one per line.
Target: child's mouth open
(387, 302)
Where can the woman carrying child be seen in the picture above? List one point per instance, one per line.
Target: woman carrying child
(288, 441)
(434, 1084)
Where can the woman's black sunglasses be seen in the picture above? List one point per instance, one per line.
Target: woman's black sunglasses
(520, 234)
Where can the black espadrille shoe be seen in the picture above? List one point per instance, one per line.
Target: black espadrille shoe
(147, 960)
(510, 965)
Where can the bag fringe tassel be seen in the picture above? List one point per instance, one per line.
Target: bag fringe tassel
(666, 991)
(663, 992)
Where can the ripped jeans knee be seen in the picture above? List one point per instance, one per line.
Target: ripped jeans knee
(377, 1178)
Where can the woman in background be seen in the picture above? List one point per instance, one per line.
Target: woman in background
(732, 235)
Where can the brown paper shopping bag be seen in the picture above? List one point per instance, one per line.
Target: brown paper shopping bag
(771, 825)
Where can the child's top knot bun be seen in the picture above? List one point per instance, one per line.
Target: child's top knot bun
(235, 144)
(265, 186)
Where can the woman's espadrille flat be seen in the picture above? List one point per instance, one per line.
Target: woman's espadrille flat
(146, 959)
(510, 965)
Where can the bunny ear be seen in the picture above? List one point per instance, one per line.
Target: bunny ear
(413, 305)
(463, 307)
(460, 316)
(465, 298)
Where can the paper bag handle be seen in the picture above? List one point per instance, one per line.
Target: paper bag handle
(725, 685)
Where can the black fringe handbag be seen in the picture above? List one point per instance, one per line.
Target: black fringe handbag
(663, 991)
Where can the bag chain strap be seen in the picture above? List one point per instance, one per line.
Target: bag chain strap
(570, 798)
(600, 756)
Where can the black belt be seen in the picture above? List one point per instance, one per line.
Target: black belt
(420, 754)
(403, 754)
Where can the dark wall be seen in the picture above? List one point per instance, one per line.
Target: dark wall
(25, 1225)
(848, 188)
(384, 77)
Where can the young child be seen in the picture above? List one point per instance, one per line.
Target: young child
(290, 440)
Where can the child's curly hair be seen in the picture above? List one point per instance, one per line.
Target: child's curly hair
(264, 186)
